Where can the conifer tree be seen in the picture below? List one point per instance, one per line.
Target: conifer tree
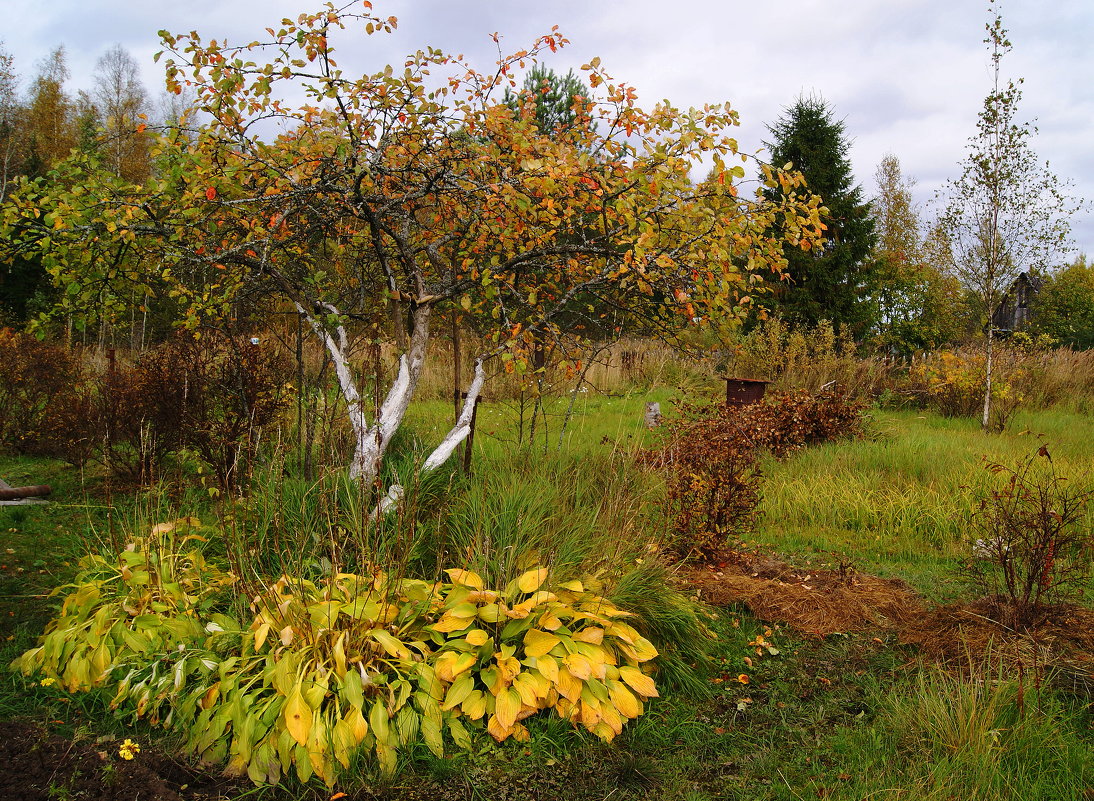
(834, 282)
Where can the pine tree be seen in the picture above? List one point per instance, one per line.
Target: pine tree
(833, 283)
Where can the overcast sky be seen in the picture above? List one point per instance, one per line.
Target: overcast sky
(906, 76)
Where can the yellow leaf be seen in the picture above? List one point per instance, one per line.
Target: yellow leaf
(549, 621)
(465, 578)
(527, 689)
(474, 706)
(498, 731)
(381, 725)
(491, 613)
(638, 681)
(298, 716)
(593, 635)
(458, 692)
(339, 653)
(579, 666)
(449, 623)
(538, 643)
(531, 581)
(568, 687)
(624, 700)
(644, 650)
(506, 707)
(260, 635)
(357, 724)
(548, 667)
(477, 637)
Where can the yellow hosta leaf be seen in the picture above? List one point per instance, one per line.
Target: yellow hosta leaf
(527, 689)
(357, 724)
(491, 613)
(603, 731)
(644, 650)
(451, 664)
(624, 632)
(298, 716)
(572, 586)
(589, 714)
(260, 635)
(498, 731)
(339, 653)
(287, 635)
(568, 686)
(506, 707)
(638, 681)
(482, 596)
(465, 578)
(509, 667)
(450, 622)
(344, 741)
(532, 580)
(580, 666)
(549, 621)
(593, 635)
(477, 637)
(381, 725)
(610, 715)
(525, 607)
(548, 667)
(390, 644)
(474, 706)
(538, 643)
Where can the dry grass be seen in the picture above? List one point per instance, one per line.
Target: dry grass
(814, 602)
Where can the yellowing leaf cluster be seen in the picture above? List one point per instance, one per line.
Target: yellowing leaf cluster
(325, 670)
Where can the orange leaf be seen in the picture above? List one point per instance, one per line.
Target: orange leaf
(211, 193)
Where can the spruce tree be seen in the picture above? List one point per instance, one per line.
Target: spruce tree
(835, 282)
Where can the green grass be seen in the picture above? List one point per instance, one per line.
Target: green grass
(849, 717)
(897, 502)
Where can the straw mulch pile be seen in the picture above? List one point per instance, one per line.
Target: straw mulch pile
(814, 602)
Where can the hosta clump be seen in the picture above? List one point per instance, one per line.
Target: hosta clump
(504, 656)
(326, 671)
(154, 597)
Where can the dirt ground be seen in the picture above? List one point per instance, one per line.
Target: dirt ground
(39, 766)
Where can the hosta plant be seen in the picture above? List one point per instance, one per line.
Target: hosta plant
(322, 672)
(156, 595)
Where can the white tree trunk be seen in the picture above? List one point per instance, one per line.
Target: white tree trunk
(443, 452)
(986, 419)
(371, 440)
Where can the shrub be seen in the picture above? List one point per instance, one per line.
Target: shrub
(37, 381)
(1034, 545)
(230, 390)
(788, 421)
(713, 482)
(951, 383)
(327, 670)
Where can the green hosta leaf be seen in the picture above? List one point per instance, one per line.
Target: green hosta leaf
(431, 735)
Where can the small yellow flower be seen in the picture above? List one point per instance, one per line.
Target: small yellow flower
(129, 749)
(48, 681)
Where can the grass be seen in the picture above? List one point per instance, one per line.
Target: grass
(895, 503)
(848, 717)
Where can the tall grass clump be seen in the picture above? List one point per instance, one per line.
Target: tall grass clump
(970, 735)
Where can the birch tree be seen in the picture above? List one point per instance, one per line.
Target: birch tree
(1007, 213)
